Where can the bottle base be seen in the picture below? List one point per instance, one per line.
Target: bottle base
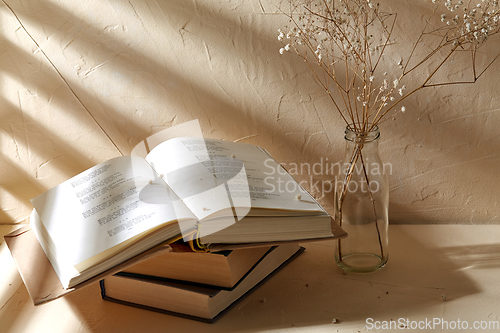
(361, 262)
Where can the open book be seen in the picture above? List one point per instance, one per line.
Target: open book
(207, 190)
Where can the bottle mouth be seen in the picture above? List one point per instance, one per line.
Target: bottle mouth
(354, 133)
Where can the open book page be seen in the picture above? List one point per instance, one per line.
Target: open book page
(105, 206)
(211, 176)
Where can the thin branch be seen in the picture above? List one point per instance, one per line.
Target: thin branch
(386, 41)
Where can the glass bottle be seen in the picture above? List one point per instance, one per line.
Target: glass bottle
(361, 203)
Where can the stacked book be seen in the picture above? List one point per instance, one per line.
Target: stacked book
(123, 223)
(196, 285)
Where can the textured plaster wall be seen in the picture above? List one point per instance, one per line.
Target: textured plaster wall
(77, 76)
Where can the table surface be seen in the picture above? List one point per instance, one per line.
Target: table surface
(438, 276)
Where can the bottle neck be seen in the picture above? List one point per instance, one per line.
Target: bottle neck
(361, 137)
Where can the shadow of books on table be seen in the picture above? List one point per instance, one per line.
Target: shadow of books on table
(312, 291)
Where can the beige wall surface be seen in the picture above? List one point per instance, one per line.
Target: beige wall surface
(84, 81)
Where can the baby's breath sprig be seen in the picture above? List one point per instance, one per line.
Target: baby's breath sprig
(344, 41)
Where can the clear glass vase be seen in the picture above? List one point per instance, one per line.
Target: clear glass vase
(361, 203)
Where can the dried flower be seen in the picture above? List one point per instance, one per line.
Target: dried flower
(347, 39)
(400, 91)
(281, 35)
(336, 33)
